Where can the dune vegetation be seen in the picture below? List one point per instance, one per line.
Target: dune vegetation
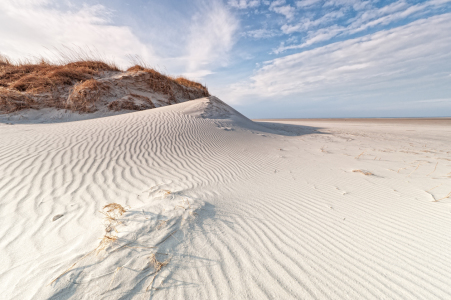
(82, 84)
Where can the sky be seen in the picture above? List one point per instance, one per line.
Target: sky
(266, 58)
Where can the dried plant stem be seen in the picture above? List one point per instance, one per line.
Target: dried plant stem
(434, 187)
(415, 169)
(358, 156)
(157, 266)
(70, 268)
(114, 276)
(401, 169)
(434, 169)
(151, 282)
(447, 196)
(113, 210)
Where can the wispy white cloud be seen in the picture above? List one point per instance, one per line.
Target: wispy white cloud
(349, 3)
(307, 3)
(440, 100)
(243, 4)
(212, 35)
(30, 27)
(27, 28)
(306, 24)
(278, 6)
(261, 33)
(405, 59)
(287, 10)
(276, 3)
(318, 30)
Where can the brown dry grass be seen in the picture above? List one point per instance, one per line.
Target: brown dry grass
(111, 214)
(45, 76)
(157, 265)
(189, 83)
(129, 104)
(115, 208)
(26, 84)
(106, 241)
(118, 105)
(85, 95)
(166, 84)
(12, 100)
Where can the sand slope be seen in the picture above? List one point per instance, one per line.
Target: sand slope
(249, 211)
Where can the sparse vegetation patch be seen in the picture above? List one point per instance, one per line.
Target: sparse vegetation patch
(82, 84)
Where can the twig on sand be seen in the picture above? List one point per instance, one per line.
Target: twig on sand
(358, 156)
(400, 169)
(434, 187)
(434, 169)
(415, 169)
(447, 196)
(114, 276)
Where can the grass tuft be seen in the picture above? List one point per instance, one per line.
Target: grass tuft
(111, 214)
(107, 240)
(167, 84)
(85, 95)
(115, 208)
(157, 265)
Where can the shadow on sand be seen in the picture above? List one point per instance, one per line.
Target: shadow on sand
(288, 129)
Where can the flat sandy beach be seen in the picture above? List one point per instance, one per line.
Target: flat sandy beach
(400, 121)
(382, 121)
(222, 207)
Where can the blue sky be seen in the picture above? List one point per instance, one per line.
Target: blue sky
(279, 58)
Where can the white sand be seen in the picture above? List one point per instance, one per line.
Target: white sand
(256, 211)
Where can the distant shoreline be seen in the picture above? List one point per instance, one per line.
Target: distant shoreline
(429, 121)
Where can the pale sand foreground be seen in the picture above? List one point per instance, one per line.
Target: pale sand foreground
(256, 210)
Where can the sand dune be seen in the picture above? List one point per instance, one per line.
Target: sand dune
(237, 209)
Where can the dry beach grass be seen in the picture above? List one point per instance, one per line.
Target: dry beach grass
(74, 83)
(111, 212)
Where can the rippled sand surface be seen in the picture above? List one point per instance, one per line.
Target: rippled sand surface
(230, 208)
